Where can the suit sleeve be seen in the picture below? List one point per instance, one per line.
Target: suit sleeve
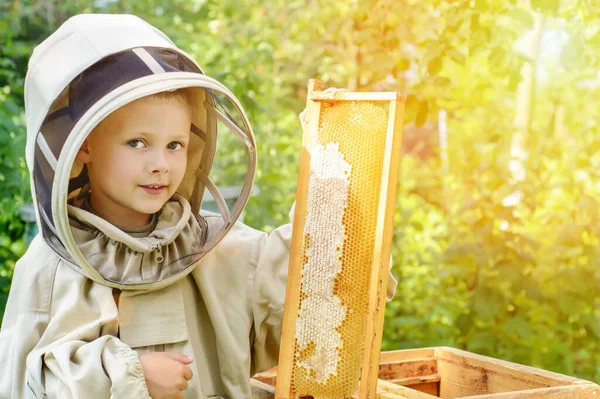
(63, 343)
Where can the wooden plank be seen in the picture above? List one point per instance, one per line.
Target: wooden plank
(587, 391)
(382, 250)
(385, 387)
(410, 381)
(503, 364)
(356, 96)
(388, 395)
(395, 366)
(432, 388)
(407, 354)
(292, 295)
(407, 369)
(464, 373)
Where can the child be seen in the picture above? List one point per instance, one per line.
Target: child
(130, 290)
(125, 293)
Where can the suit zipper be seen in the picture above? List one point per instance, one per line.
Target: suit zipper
(159, 254)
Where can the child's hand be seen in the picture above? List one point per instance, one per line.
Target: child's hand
(304, 118)
(166, 374)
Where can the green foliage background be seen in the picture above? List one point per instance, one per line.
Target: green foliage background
(497, 264)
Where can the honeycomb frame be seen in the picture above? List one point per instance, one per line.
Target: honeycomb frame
(343, 221)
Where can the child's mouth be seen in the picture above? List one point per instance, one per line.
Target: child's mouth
(154, 189)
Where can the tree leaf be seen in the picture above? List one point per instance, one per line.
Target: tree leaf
(519, 326)
(481, 5)
(402, 64)
(482, 342)
(573, 54)
(488, 303)
(523, 17)
(456, 56)
(546, 6)
(410, 109)
(498, 57)
(592, 323)
(435, 66)
(514, 79)
(422, 113)
(464, 323)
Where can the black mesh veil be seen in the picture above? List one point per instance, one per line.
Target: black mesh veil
(219, 126)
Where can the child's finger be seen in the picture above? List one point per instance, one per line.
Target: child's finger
(180, 357)
(187, 373)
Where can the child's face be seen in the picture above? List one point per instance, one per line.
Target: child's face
(136, 159)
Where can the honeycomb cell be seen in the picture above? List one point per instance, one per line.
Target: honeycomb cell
(339, 234)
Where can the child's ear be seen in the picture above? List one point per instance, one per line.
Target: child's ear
(83, 155)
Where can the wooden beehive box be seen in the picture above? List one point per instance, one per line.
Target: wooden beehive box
(452, 373)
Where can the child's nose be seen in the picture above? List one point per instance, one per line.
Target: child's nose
(158, 162)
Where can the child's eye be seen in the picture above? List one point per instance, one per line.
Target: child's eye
(174, 145)
(135, 143)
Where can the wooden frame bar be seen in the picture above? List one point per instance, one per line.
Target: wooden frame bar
(292, 295)
(382, 251)
(356, 96)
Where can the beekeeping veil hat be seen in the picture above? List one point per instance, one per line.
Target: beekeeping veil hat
(94, 64)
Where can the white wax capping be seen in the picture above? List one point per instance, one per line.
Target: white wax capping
(321, 312)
